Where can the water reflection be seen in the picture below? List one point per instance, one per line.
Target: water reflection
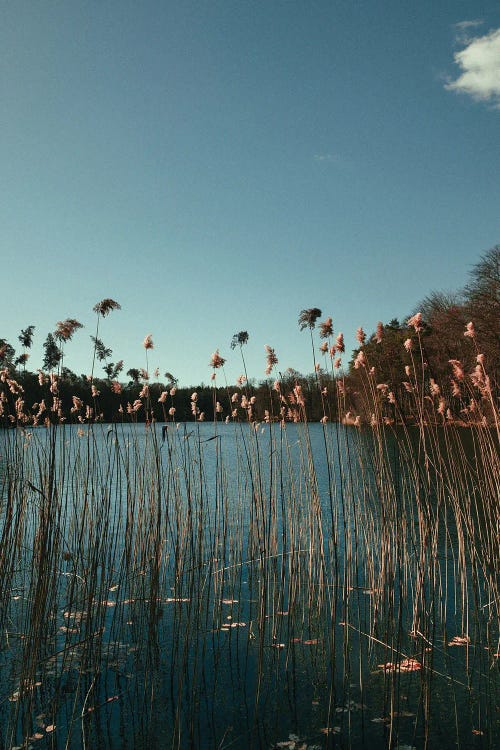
(241, 587)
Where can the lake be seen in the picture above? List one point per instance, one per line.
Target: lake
(248, 586)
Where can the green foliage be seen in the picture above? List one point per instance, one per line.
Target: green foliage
(7, 353)
(52, 355)
(21, 360)
(26, 337)
(102, 352)
(134, 374)
(112, 371)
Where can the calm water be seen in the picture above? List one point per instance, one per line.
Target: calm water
(241, 588)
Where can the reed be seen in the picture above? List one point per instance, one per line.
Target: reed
(244, 583)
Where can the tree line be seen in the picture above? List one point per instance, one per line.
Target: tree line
(455, 327)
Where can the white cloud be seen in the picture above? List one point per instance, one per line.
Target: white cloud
(325, 157)
(479, 62)
(463, 25)
(464, 31)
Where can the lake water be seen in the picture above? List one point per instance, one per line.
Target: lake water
(230, 586)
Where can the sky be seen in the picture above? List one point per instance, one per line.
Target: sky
(218, 166)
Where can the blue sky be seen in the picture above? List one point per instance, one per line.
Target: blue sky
(219, 166)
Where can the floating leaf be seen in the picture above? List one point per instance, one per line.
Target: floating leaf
(363, 589)
(406, 665)
(76, 616)
(26, 687)
(401, 714)
(410, 665)
(459, 640)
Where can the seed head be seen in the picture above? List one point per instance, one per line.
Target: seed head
(239, 339)
(308, 317)
(271, 359)
(434, 387)
(66, 328)
(105, 306)
(326, 329)
(458, 370)
(360, 360)
(77, 404)
(216, 360)
(416, 322)
(469, 330)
